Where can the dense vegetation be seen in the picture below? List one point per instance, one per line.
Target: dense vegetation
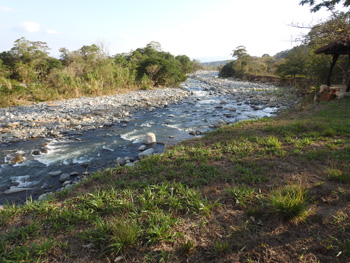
(301, 62)
(28, 73)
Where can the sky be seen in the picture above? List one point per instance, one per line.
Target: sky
(206, 30)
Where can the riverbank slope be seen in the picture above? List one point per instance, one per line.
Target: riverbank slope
(273, 189)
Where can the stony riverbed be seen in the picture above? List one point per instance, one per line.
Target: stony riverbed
(50, 146)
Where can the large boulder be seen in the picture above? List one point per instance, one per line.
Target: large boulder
(149, 138)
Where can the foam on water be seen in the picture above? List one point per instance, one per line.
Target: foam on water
(135, 136)
(107, 148)
(22, 181)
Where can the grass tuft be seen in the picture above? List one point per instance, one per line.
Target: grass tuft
(289, 202)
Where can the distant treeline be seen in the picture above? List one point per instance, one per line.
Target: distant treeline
(28, 73)
(301, 62)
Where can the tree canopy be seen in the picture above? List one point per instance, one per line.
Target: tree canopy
(28, 69)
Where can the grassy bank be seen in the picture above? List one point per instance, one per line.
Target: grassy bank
(270, 190)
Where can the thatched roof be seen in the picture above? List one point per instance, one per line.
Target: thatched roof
(337, 47)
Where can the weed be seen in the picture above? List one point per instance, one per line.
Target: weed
(219, 248)
(338, 175)
(20, 234)
(241, 194)
(123, 235)
(289, 202)
(343, 246)
(187, 247)
(158, 227)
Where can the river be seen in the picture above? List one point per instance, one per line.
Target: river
(212, 103)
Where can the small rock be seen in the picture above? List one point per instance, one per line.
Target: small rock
(149, 138)
(88, 246)
(121, 161)
(36, 152)
(66, 183)
(64, 177)
(44, 196)
(117, 259)
(18, 158)
(142, 148)
(55, 173)
(74, 174)
(146, 153)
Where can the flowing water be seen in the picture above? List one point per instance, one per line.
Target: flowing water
(96, 149)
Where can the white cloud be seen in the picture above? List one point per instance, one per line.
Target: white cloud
(52, 32)
(6, 9)
(30, 26)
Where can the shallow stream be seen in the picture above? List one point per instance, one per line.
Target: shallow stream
(96, 149)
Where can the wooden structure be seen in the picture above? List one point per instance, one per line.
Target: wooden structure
(336, 48)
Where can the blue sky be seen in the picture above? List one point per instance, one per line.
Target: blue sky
(202, 29)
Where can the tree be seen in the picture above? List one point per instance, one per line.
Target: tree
(187, 65)
(29, 57)
(329, 4)
(161, 71)
(334, 29)
(241, 63)
(239, 52)
(294, 64)
(228, 70)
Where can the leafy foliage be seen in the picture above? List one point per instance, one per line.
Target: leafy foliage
(88, 71)
(329, 4)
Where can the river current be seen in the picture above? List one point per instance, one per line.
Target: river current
(90, 151)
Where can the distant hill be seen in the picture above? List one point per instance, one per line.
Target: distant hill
(215, 63)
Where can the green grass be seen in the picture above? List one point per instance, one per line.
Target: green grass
(227, 196)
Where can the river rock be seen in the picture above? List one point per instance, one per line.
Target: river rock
(18, 158)
(64, 177)
(149, 138)
(120, 161)
(45, 196)
(66, 183)
(55, 173)
(16, 190)
(146, 153)
(142, 148)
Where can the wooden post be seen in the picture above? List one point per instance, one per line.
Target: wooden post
(335, 58)
(348, 77)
